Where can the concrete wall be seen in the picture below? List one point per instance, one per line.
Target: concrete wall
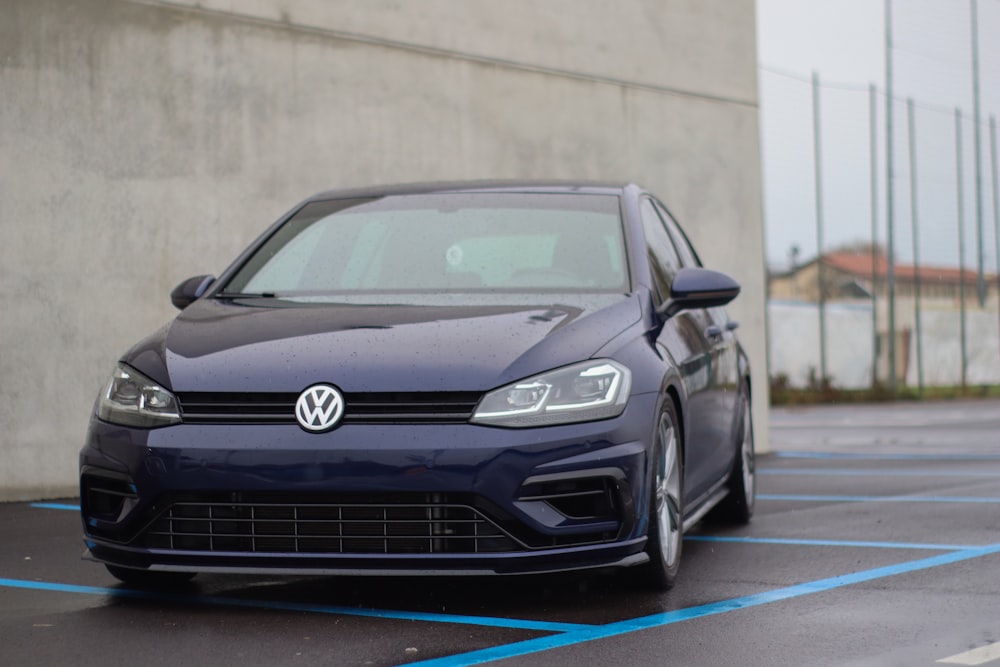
(143, 142)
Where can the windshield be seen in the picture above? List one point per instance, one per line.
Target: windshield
(458, 242)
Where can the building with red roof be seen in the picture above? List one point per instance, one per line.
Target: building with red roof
(854, 275)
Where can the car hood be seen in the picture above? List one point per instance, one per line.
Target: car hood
(271, 345)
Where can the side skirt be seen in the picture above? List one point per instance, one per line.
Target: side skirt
(711, 499)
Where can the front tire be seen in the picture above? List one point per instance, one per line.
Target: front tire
(666, 506)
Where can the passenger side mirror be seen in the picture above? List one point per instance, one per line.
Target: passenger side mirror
(699, 288)
(184, 294)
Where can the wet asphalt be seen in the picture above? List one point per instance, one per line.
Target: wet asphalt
(876, 541)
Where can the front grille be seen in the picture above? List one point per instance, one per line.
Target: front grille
(359, 408)
(246, 526)
(410, 408)
(237, 408)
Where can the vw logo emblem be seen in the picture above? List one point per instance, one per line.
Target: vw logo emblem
(319, 408)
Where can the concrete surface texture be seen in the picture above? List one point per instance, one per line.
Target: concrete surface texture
(144, 142)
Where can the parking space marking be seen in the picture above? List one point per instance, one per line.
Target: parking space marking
(569, 634)
(828, 543)
(487, 621)
(56, 506)
(566, 634)
(977, 656)
(877, 499)
(668, 618)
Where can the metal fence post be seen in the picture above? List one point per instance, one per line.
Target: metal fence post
(818, 173)
(996, 199)
(914, 219)
(873, 173)
(959, 199)
(974, 24)
(889, 209)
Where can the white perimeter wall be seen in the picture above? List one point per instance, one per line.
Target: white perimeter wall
(144, 142)
(795, 345)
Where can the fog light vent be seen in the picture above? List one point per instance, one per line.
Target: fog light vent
(581, 499)
(107, 498)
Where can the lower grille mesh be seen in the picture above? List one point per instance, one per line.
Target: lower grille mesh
(316, 528)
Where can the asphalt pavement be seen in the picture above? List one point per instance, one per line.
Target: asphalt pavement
(876, 542)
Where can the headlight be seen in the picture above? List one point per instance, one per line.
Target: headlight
(132, 399)
(596, 389)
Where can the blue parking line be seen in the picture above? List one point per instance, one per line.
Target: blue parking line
(568, 634)
(668, 618)
(875, 472)
(55, 506)
(878, 499)
(827, 543)
(517, 624)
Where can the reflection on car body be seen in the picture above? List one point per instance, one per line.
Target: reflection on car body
(462, 378)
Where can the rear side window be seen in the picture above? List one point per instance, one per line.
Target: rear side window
(663, 259)
(687, 254)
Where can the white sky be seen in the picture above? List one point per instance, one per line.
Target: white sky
(844, 42)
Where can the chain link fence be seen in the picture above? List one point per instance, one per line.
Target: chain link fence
(900, 290)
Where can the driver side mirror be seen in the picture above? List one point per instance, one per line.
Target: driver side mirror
(699, 288)
(184, 294)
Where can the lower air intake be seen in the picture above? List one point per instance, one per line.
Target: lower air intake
(326, 528)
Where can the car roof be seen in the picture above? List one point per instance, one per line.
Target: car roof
(537, 186)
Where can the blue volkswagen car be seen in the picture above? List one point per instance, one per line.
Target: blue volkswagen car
(456, 378)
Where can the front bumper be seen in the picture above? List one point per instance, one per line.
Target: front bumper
(377, 499)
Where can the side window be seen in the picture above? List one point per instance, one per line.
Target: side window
(663, 259)
(688, 256)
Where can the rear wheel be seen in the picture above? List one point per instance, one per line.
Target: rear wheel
(149, 579)
(666, 508)
(737, 507)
